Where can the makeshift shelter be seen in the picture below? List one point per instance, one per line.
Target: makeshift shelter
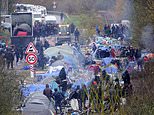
(71, 57)
(112, 69)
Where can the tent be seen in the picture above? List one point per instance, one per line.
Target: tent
(53, 51)
(107, 60)
(111, 69)
(70, 57)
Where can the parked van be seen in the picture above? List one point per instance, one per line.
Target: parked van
(6, 21)
(50, 19)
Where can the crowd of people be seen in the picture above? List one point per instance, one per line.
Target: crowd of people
(9, 54)
(108, 89)
(114, 30)
(44, 30)
(48, 29)
(101, 90)
(100, 85)
(14, 55)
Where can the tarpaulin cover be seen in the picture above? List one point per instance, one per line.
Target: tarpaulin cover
(54, 71)
(81, 78)
(31, 88)
(53, 51)
(71, 56)
(26, 68)
(81, 82)
(111, 69)
(107, 60)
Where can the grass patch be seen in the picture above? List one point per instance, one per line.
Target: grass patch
(76, 19)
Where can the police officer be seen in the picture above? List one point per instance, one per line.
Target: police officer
(9, 58)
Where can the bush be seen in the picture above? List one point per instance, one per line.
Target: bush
(9, 91)
(142, 102)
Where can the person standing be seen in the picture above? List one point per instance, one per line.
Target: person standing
(9, 58)
(76, 34)
(126, 77)
(62, 16)
(140, 63)
(76, 94)
(72, 28)
(97, 30)
(21, 53)
(17, 55)
(94, 47)
(48, 92)
(46, 44)
(58, 97)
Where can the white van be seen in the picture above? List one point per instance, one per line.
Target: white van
(50, 19)
(37, 17)
(6, 21)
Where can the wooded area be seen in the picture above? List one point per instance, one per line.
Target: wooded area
(74, 6)
(143, 20)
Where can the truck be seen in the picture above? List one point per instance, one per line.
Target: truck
(49, 19)
(21, 29)
(6, 22)
(64, 35)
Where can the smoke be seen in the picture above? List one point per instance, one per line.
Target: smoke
(123, 9)
(148, 37)
(127, 10)
(104, 4)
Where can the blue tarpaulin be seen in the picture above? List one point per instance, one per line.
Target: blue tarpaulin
(31, 88)
(111, 69)
(107, 60)
(81, 82)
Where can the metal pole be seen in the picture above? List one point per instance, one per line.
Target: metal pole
(7, 5)
(32, 71)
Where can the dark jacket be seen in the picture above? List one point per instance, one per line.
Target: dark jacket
(48, 92)
(58, 97)
(126, 78)
(9, 56)
(62, 74)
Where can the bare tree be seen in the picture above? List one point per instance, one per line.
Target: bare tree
(148, 37)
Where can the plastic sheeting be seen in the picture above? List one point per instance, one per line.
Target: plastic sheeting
(81, 77)
(81, 82)
(72, 56)
(31, 88)
(53, 51)
(26, 68)
(107, 60)
(111, 69)
(54, 71)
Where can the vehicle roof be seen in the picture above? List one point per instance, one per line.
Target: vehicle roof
(5, 15)
(30, 5)
(50, 18)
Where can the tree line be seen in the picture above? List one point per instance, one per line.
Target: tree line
(143, 24)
